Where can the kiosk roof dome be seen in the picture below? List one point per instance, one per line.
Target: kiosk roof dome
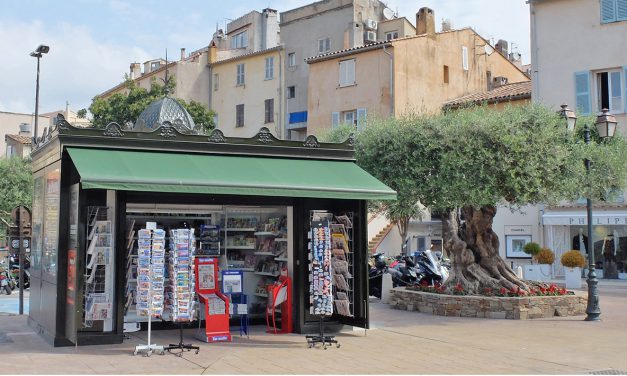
(162, 111)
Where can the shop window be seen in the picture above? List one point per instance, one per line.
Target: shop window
(291, 59)
(240, 40)
(239, 115)
(291, 92)
(269, 111)
(269, 68)
(347, 73)
(391, 35)
(240, 74)
(609, 91)
(446, 74)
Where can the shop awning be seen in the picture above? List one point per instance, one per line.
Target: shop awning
(231, 175)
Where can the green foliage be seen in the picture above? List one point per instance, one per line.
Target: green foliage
(337, 134)
(126, 108)
(573, 259)
(531, 248)
(545, 256)
(16, 186)
(482, 156)
(82, 113)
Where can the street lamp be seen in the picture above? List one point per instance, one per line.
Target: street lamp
(606, 126)
(38, 53)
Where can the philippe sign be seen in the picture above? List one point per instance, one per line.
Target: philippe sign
(581, 220)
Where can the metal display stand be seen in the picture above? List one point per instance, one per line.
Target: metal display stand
(181, 346)
(313, 340)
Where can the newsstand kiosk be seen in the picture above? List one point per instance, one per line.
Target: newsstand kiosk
(216, 303)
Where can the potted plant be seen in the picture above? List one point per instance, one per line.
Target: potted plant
(573, 261)
(531, 271)
(545, 258)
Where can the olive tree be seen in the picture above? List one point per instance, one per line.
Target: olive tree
(464, 164)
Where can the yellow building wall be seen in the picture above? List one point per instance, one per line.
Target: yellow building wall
(419, 70)
(252, 94)
(371, 91)
(418, 77)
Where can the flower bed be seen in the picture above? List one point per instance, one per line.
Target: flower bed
(494, 307)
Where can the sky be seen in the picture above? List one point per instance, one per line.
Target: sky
(93, 42)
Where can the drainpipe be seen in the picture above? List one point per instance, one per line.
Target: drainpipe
(281, 87)
(391, 80)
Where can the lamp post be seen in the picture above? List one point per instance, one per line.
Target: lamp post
(38, 53)
(606, 126)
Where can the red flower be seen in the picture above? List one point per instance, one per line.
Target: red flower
(424, 283)
(503, 291)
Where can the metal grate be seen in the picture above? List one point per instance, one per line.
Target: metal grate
(608, 371)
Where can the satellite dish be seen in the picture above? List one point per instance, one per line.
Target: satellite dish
(488, 49)
(388, 13)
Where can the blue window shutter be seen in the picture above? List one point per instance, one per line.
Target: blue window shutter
(582, 92)
(608, 11)
(361, 118)
(621, 10)
(335, 119)
(625, 88)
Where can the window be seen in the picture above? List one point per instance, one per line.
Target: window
(389, 35)
(240, 74)
(349, 117)
(216, 82)
(291, 59)
(324, 45)
(356, 118)
(10, 151)
(269, 68)
(446, 74)
(465, 58)
(609, 91)
(613, 11)
(269, 107)
(239, 115)
(291, 92)
(347, 72)
(154, 66)
(240, 40)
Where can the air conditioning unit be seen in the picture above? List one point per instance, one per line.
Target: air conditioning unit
(371, 24)
(370, 36)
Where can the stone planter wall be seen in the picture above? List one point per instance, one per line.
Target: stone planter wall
(488, 307)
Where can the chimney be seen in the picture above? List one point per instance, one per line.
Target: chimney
(213, 53)
(269, 28)
(182, 53)
(136, 70)
(499, 81)
(425, 21)
(501, 46)
(25, 130)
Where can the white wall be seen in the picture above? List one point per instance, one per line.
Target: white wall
(524, 222)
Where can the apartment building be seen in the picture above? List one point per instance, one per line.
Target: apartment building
(417, 73)
(579, 57)
(314, 29)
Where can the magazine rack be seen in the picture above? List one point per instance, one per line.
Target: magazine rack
(216, 303)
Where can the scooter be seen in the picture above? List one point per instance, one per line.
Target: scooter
(377, 268)
(14, 265)
(5, 281)
(405, 272)
(434, 271)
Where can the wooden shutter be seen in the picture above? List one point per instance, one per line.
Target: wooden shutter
(335, 119)
(582, 92)
(608, 11)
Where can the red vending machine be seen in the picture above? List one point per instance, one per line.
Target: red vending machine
(216, 304)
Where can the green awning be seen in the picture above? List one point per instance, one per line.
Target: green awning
(229, 175)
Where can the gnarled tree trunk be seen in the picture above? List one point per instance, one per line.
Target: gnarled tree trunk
(474, 251)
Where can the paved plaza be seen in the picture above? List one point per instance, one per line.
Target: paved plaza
(401, 342)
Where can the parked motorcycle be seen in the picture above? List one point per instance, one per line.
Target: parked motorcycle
(434, 272)
(377, 268)
(5, 280)
(405, 272)
(14, 266)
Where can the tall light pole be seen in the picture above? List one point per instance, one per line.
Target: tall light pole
(606, 126)
(38, 53)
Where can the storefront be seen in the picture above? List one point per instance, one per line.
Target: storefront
(251, 203)
(566, 228)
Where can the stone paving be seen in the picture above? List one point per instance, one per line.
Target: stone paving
(401, 343)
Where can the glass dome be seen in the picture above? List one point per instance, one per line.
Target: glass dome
(162, 111)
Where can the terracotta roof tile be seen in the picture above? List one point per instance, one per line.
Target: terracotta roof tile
(517, 90)
(17, 138)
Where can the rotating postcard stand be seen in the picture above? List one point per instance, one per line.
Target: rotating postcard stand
(216, 304)
(181, 289)
(151, 252)
(320, 289)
